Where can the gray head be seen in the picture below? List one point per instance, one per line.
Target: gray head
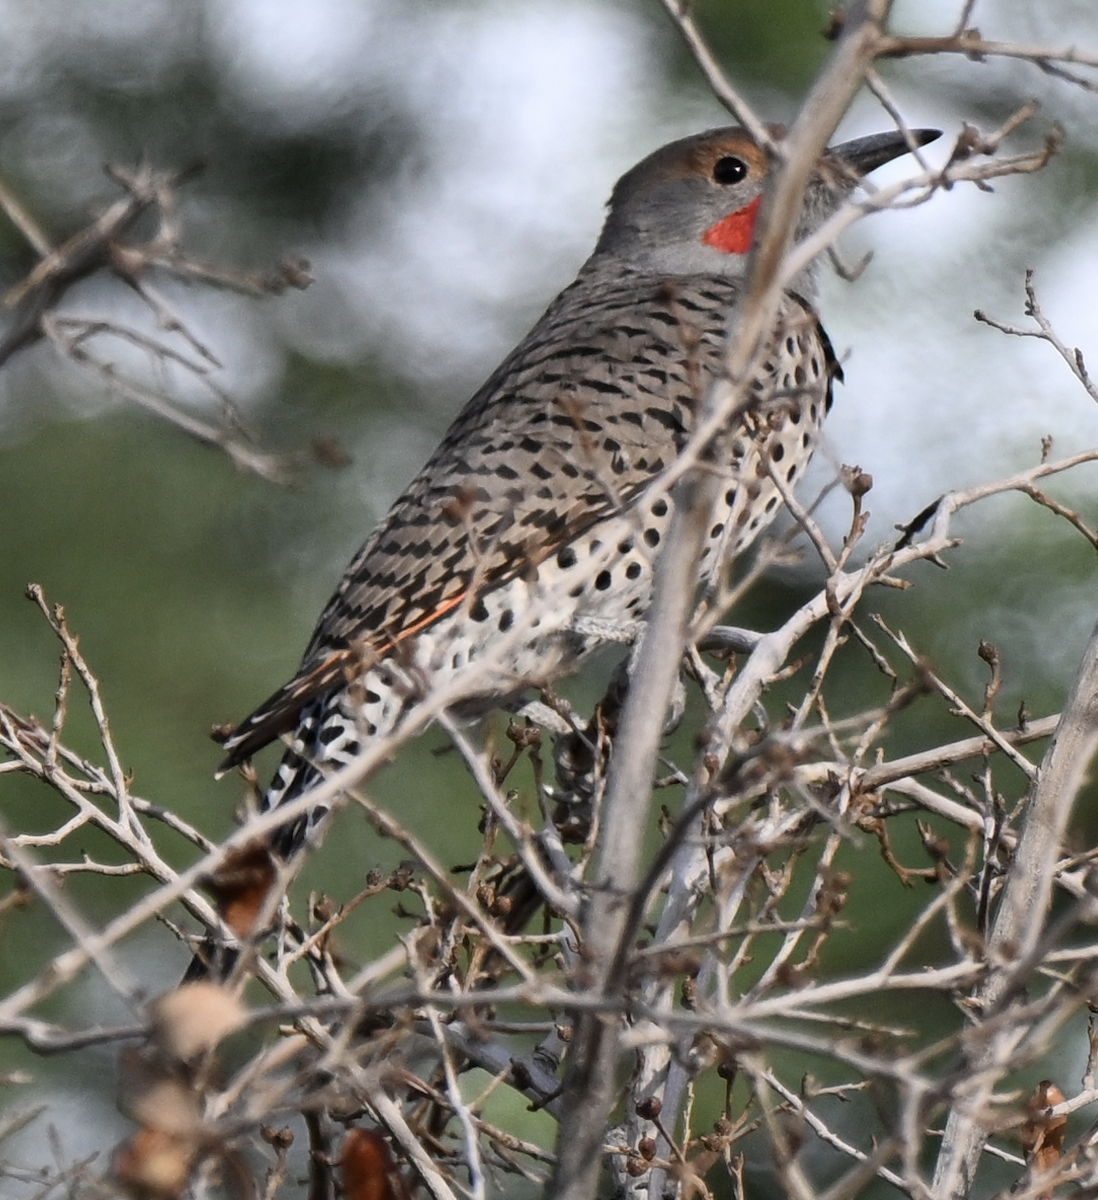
(691, 207)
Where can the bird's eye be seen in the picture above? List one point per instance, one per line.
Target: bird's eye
(729, 169)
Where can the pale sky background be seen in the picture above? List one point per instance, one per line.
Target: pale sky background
(532, 110)
(535, 108)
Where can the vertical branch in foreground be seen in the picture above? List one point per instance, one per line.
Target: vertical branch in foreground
(1019, 925)
(590, 1085)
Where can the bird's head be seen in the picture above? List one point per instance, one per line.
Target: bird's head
(692, 206)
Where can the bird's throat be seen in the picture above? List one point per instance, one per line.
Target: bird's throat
(734, 234)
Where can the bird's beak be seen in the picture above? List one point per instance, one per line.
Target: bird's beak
(868, 153)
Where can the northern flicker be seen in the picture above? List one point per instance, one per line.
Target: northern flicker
(528, 539)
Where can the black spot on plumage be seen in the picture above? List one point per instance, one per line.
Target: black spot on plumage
(668, 418)
(581, 352)
(686, 301)
(604, 386)
(418, 581)
(603, 580)
(374, 618)
(543, 518)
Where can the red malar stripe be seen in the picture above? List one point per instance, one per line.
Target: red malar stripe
(735, 233)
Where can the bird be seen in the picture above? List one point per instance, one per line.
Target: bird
(528, 539)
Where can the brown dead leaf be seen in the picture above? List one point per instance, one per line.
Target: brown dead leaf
(1043, 1133)
(367, 1167)
(154, 1164)
(241, 885)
